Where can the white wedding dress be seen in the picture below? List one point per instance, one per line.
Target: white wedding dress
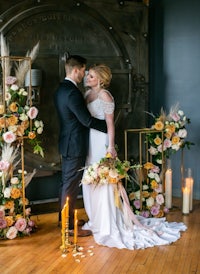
(109, 224)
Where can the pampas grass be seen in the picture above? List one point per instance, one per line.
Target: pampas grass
(9, 153)
(5, 51)
(28, 177)
(23, 67)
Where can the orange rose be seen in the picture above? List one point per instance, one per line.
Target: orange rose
(148, 165)
(20, 131)
(159, 125)
(132, 196)
(168, 134)
(145, 194)
(13, 107)
(160, 214)
(31, 135)
(9, 204)
(112, 180)
(18, 216)
(154, 184)
(2, 122)
(154, 194)
(9, 220)
(170, 128)
(25, 124)
(175, 140)
(15, 193)
(12, 120)
(157, 141)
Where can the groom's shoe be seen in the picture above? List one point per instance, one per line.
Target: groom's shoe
(81, 232)
(81, 222)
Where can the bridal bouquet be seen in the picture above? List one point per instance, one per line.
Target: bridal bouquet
(107, 171)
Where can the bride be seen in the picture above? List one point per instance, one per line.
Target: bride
(107, 222)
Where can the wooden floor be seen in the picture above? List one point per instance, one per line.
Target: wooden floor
(40, 253)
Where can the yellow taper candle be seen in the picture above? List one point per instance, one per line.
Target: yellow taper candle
(63, 219)
(67, 207)
(75, 226)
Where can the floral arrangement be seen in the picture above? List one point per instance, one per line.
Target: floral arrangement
(18, 119)
(150, 196)
(13, 222)
(107, 171)
(168, 136)
(173, 126)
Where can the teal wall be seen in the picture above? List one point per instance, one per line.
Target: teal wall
(175, 73)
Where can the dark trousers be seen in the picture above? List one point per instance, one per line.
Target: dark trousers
(70, 183)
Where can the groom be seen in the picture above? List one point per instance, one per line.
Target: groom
(75, 121)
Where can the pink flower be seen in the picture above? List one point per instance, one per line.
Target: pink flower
(2, 213)
(3, 223)
(145, 214)
(155, 210)
(31, 223)
(159, 188)
(10, 80)
(11, 233)
(160, 199)
(9, 137)
(175, 116)
(4, 165)
(166, 210)
(28, 211)
(28, 230)
(32, 113)
(182, 133)
(20, 224)
(155, 169)
(137, 204)
(161, 148)
(153, 150)
(167, 143)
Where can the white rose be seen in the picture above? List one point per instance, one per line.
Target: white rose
(12, 128)
(150, 201)
(14, 180)
(14, 87)
(37, 123)
(153, 151)
(180, 112)
(40, 130)
(182, 133)
(157, 177)
(7, 192)
(7, 96)
(23, 117)
(145, 187)
(151, 175)
(159, 161)
(137, 194)
(41, 124)
(113, 173)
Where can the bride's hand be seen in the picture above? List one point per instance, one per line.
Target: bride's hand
(112, 151)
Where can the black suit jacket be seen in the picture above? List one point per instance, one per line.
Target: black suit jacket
(75, 121)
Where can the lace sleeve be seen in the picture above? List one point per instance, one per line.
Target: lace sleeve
(108, 107)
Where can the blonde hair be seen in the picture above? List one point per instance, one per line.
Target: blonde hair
(103, 73)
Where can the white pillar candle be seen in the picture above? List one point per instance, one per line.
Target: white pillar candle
(189, 183)
(168, 188)
(186, 200)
